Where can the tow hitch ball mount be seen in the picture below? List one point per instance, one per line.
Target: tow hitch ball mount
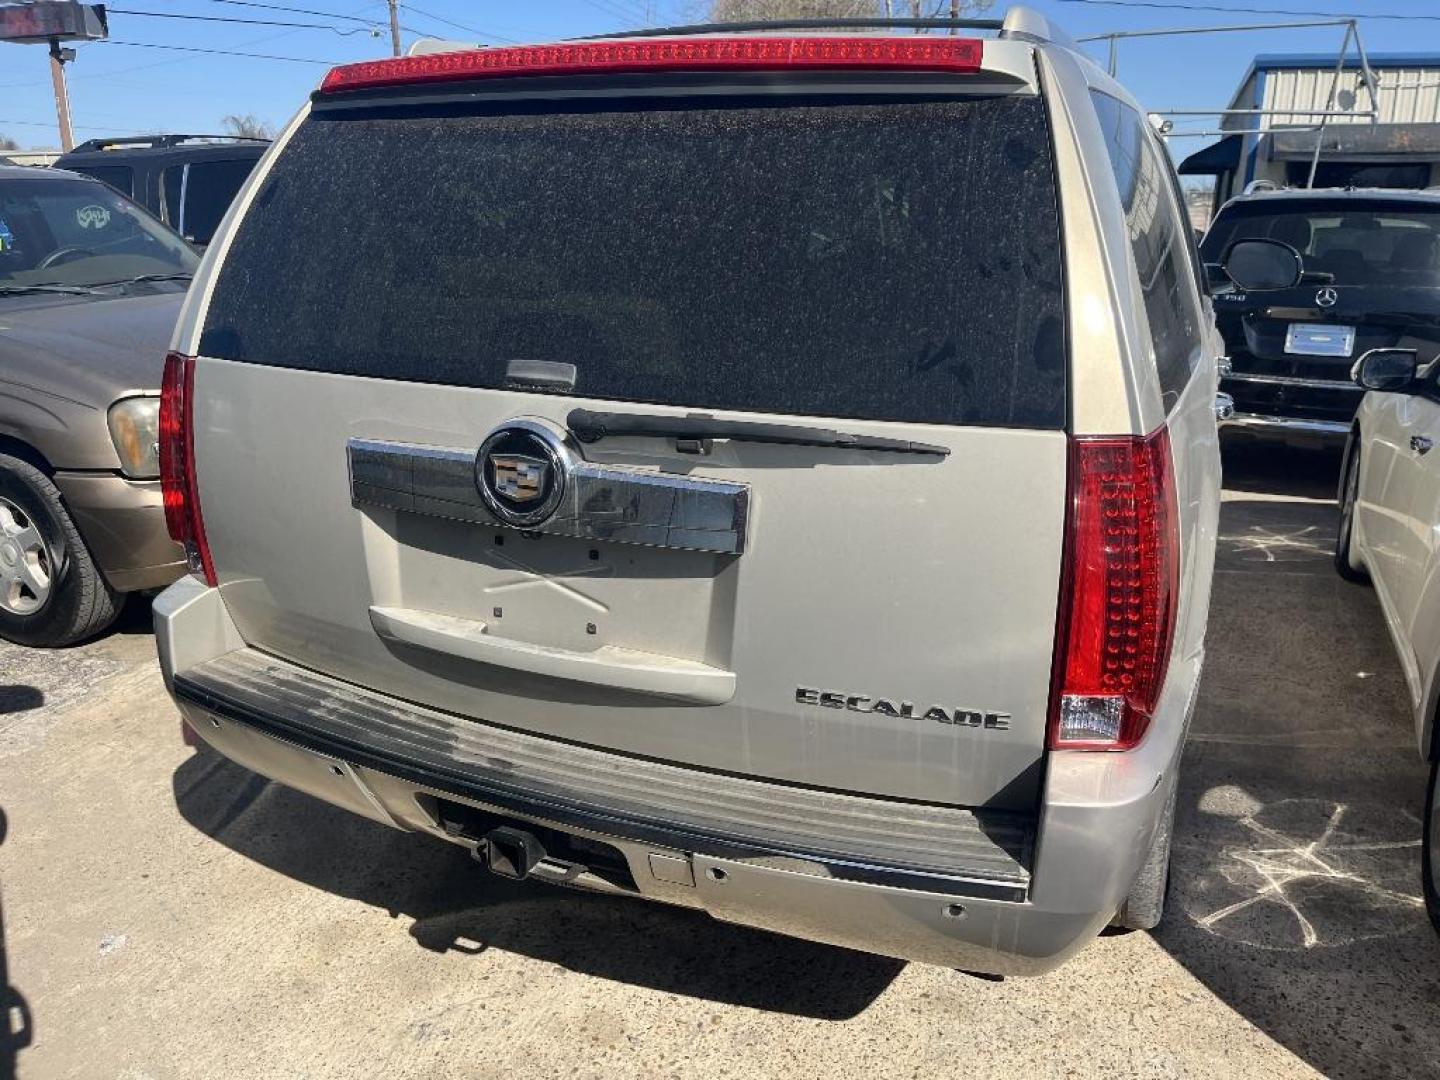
(516, 854)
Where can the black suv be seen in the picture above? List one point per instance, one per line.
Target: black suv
(187, 181)
(1371, 279)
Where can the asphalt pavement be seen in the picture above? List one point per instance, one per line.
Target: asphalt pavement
(166, 914)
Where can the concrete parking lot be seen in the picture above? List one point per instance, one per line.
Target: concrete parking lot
(166, 914)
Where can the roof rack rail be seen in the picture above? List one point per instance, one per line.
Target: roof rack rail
(157, 141)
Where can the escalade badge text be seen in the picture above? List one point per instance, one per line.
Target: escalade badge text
(864, 703)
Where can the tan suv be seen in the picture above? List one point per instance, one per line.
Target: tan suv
(90, 287)
(657, 464)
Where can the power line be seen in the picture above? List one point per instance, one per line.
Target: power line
(218, 52)
(48, 124)
(613, 11)
(244, 22)
(295, 10)
(1156, 5)
(456, 25)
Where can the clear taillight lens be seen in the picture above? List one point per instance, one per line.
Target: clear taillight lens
(1119, 596)
(177, 464)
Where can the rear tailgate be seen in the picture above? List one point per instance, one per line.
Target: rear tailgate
(858, 620)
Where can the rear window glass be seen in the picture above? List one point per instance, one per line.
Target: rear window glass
(1360, 244)
(896, 261)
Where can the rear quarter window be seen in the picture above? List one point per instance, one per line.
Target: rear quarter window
(119, 177)
(1161, 243)
(894, 261)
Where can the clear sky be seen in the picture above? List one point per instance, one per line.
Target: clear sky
(120, 88)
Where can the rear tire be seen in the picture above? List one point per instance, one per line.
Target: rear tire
(73, 600)
(1346, 565)
(1429, 855)
(1144, 907)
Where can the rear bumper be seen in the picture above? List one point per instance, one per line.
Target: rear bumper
(123, 523)
(1287, 428)
(936, 884)
(1297, 409)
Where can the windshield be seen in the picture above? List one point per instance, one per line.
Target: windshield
(1359, 244)
(79, 233)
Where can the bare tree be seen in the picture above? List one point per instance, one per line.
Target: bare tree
(749, 10)
(7, 143)
(930, 9)
(248, 126)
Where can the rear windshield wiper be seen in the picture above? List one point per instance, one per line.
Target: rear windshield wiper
(591, 427)
(48, 287)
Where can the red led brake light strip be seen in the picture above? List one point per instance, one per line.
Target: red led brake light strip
(892, 53)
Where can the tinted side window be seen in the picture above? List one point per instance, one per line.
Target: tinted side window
(1160, 242)
(208, 193)
(119, 177)
(845, 260)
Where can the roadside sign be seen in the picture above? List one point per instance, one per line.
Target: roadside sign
(52, 20)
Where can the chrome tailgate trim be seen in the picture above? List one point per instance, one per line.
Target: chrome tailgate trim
(858, 838)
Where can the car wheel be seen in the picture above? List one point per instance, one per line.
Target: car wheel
(1144, 907)
(1429, 856)
(51, 592)
(1346, 564)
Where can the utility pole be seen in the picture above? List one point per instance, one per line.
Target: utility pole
(49, 22)
(954, 14)
(395, 26)
(58, 56)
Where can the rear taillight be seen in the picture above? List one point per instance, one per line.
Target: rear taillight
(893, 53)
(177, 464)
(1118, 594)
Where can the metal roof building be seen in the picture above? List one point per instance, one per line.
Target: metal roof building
(1394, 142)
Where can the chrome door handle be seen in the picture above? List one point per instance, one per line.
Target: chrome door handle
(1421, 444)
(1224, 406)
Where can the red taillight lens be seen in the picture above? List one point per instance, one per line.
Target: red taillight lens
(1118, 604)
(894, 53)
(177, 464)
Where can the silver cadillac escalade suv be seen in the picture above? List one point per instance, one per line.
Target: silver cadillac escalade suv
(772, 473)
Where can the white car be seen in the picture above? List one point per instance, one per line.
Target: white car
(1390, 533)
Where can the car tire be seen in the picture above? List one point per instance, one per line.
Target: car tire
(1144, 906)
(1346, 564)
(1429, 856)
(76, 602)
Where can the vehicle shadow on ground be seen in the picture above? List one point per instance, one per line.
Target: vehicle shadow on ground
(16, 1028)
(20, 697)
(1295, 893)
(1282, 470)
(457, 906)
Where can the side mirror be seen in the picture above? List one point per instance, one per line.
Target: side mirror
(1385, 369)
(1262, 265)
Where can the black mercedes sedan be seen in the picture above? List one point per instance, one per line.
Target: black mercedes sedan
(1370, 279)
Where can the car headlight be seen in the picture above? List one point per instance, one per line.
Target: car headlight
(135, 430)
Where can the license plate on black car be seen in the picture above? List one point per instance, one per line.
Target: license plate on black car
(1318, 339)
